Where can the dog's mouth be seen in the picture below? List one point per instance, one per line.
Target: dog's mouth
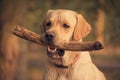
(51, 48)
(55, 52)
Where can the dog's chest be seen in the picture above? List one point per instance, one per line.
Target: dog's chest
(65, 74)
(61, 77)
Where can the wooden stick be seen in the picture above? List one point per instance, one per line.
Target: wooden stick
(71, 46)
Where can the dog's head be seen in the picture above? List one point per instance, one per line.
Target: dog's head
(63, 25)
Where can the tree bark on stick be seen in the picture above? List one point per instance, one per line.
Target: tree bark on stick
(71, 46)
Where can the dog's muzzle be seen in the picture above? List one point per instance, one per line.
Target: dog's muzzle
(49, 37)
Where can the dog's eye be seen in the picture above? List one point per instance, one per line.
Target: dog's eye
(48, 24)
(66, 25)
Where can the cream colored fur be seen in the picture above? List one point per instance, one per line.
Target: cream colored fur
(83, 69)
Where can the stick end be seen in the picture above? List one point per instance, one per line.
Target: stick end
(98, 45)
(12, 31)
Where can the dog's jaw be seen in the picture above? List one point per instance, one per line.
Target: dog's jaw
(56, 57)
(54, 52)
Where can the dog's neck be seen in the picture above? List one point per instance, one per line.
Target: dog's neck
(84, 56)
(76, 58)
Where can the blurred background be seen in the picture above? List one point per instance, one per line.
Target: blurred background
(23, 60)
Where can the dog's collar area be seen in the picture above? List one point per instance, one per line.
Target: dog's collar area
(60, 66)
(75, 59)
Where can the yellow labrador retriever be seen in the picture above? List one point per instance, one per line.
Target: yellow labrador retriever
(66, 25)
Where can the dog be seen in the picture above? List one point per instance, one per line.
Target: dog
(66, 25)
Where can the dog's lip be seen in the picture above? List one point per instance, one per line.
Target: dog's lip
(51, 48)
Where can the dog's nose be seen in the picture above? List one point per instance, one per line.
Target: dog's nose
(50, 36)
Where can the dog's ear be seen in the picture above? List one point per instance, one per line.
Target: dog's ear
(50, 11)
(82, 28)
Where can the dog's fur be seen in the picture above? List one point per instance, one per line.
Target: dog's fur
(68, 25)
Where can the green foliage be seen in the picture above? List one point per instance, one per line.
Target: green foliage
(88, 8)
(112, 30)
(112, 26)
